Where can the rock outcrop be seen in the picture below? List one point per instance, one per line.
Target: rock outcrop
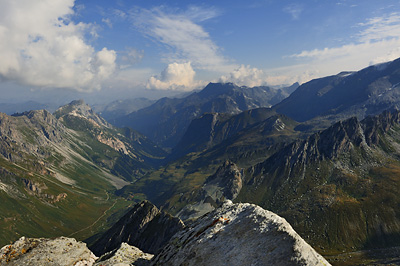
(42, 251)
(238, 234)
(225, 184)
(144, 226)
(125, 255)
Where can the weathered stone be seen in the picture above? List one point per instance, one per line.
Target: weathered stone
(41, 251)
(125, 255)
(238, 234)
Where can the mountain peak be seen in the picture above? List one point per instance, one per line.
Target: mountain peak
(213, 89)
(78, 108)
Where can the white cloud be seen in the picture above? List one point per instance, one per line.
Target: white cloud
(108, 22)
(381, 28)
(175, 76)
(251, 77)
(377, 42)
(294, 10)
(187, 40)
(40, 46)
(246, 76)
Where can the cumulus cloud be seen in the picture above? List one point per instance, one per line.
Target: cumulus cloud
(186, 39)
(42, 47)
(378, 34)
(246, 76)
(175, 76)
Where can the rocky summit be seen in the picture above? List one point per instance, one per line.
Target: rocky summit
(238, 234)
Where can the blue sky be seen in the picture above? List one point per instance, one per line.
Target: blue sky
(102, 50)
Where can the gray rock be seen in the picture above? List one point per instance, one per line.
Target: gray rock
(41, 251)
(124, 256)
(238, 234)
(225, 184)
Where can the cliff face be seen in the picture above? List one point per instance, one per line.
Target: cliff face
(238, 234)
(144, 226)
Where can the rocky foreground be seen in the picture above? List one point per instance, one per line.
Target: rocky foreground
(233, 234)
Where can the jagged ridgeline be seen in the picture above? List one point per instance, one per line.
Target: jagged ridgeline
(57, 172)
(339, 188)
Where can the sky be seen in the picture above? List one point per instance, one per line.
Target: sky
(101, 50)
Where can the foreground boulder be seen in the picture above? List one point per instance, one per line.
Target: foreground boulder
(144, 226)
(238, 234)
(43, 251)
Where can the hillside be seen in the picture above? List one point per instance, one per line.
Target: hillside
(58, 172)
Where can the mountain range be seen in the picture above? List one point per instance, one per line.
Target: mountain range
(165, 121)
(325, 157)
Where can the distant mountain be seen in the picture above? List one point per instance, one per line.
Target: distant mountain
(248, 130)
(339, 188)
(136, 151)
(119, 108)
(57, 172)
(165, 121)
(366, 92)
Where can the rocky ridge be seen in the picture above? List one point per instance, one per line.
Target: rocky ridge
(238, 234)
(144, 226)
(335, 181)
